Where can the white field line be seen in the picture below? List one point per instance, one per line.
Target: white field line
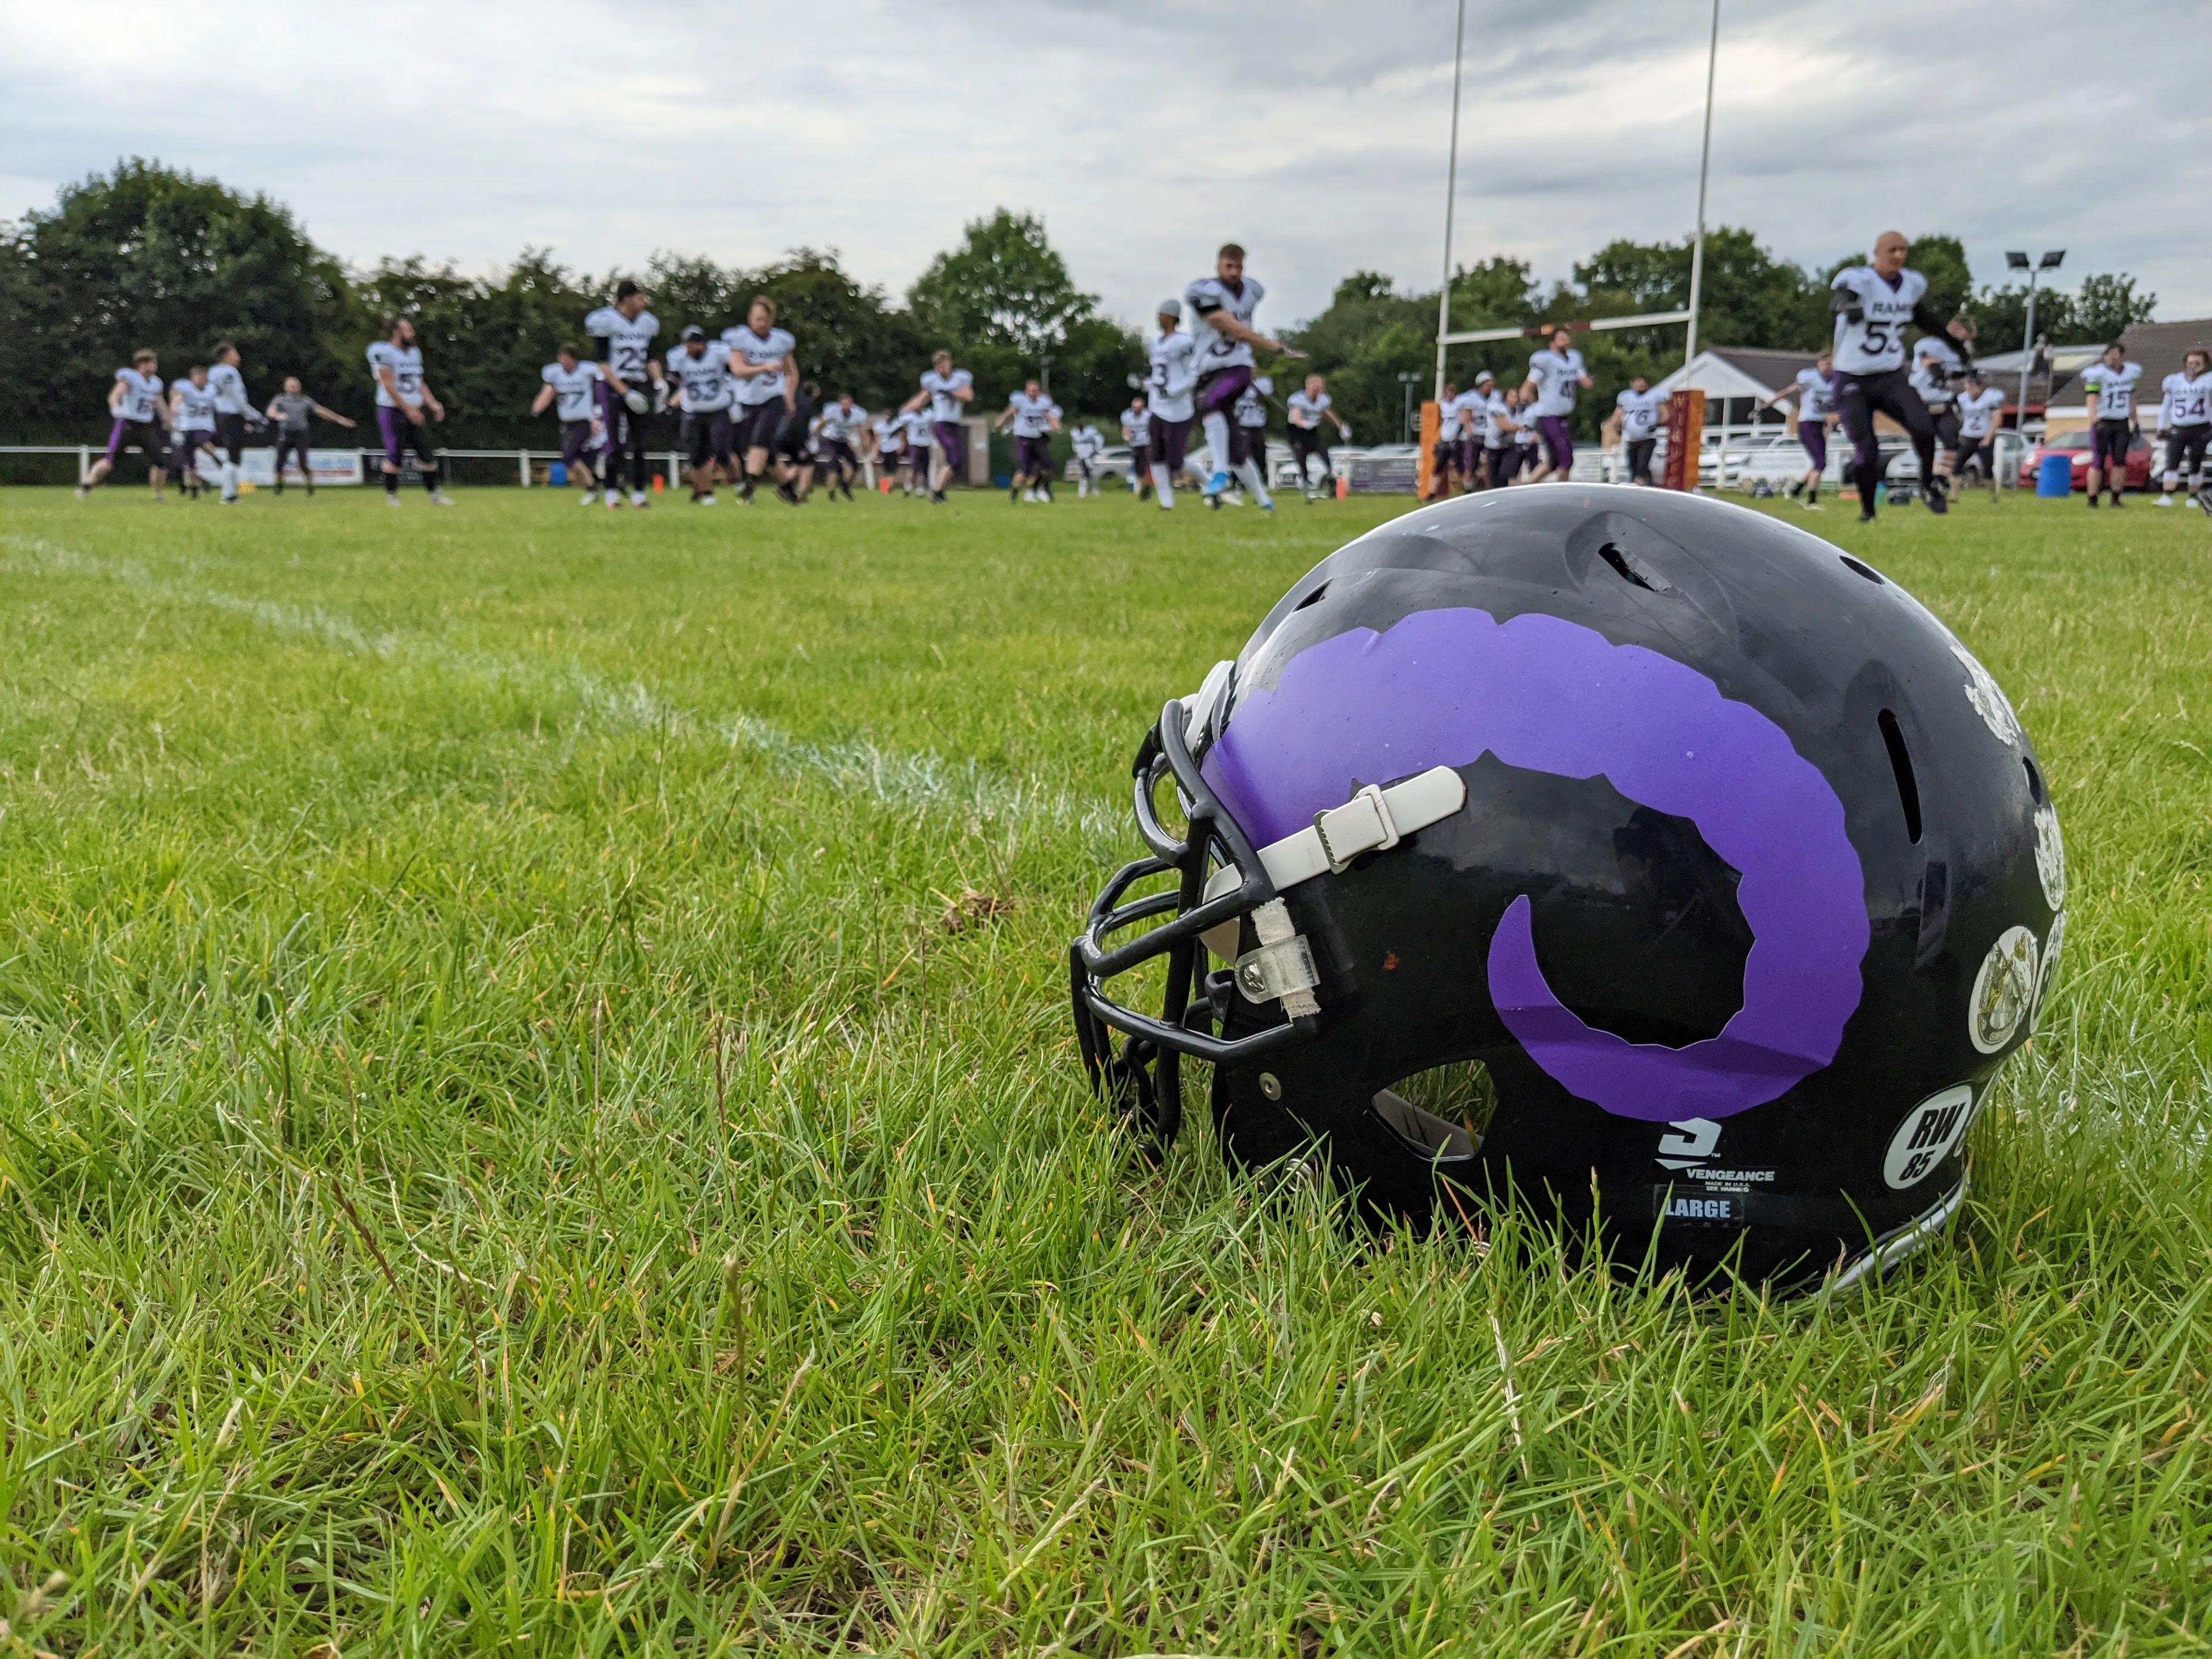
(925, 779)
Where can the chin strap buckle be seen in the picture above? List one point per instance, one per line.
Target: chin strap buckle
(1362, 824)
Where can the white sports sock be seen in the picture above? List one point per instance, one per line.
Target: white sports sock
(1161, 482)
(1249, 471)
(229, 474)
(1217, 440)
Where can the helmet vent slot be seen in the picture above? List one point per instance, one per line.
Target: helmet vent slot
(1444, 1112)
(2034, 780)
(1870, 573)
(1900, 763)
(1313, 597)
(1633, 570)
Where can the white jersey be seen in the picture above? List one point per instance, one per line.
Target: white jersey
(2115, 389)
(1471, 409)
(759, 350)
(1174, 375)
(1086, 443)
(1556, 373)
(2187, 401)
(1137, 426)
(230, 388)
(1497, 413)
(629, 339)
(576, 390)
(1033, 417)
(1875, 344)
(1816, 399)
(704, 380)
(195, 411)
(944, 405)
(840, 425)
(406, 367)
(891, 434)
(1524, 425)
(1210, 297)
(1640, 413)
(1977, 410)
(142, 396)
(1252, 403)
(920, 431)
(1935, 369)
(1308, 411)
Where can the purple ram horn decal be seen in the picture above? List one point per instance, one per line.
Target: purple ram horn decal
(1546, 694)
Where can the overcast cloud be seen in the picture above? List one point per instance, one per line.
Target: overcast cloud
(1318, 137)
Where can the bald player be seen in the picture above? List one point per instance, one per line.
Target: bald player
(1874, 304)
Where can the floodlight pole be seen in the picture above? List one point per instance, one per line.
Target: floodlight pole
(1705, 166)
(1451, 192)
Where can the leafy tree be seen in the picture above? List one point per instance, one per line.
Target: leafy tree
(1003, 302)
(154, 257)
(2109, 305)
(1747, 296)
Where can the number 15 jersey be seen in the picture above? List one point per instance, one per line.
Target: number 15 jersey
(1876, 341)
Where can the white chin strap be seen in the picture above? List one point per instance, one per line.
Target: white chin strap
(1373, 821)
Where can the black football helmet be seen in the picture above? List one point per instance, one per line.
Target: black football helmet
(1625, 849)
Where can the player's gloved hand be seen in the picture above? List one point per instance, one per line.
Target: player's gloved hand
(1347, 431)
(636, 400)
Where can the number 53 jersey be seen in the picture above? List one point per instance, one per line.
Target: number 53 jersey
(1876, 341)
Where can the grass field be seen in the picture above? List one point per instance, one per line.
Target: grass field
(540, 1117)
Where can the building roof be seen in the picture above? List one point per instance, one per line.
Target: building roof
(1738, 372)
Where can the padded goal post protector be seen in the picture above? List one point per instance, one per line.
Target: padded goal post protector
(1431, 424)
(1685, 432)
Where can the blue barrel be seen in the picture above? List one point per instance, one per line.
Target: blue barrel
(2054, 475)
(557, 475)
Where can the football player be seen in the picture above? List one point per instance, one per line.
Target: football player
(1137, 432)
(1307, 408)
(944, 390)
(1035, 417)
(626, 330)
(192, 426)
(1815, 394)
(1873, 304)
(1634, 423)
(1549, 393)
(764, 361)
(138, 414)
(1977, 406)
(1222, 307)
(583, 425)
(704, 392)
(1172, 387)
(233, 408)
(2113, 382)
(1250, 440)
(2186, 411)
(404, 405)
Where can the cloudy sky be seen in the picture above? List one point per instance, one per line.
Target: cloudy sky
(1144, 133)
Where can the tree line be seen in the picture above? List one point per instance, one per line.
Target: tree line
(151, 256)
(148, 255)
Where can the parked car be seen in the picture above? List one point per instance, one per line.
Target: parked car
(2076, 447)
(1114, 461)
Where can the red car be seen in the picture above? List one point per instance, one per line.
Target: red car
(2075, 445)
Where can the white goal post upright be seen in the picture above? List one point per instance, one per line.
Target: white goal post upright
(1538, 331)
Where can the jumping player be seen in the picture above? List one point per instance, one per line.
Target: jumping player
(626, 330)
(1872, 303)
(1306, 409)
(1222, 306)
(191, 428)
(1634, 423)
(1171, 387)
(704, 392)
(2186, 413)
(761, 357)
(1137, 432)
(576, 384)
(944, 390)
(2113, 382)
(404, 398)
(139, 415)
(233, 409)
(1553, 375)
(1977, 406)
(290, 410)
(1035, 418)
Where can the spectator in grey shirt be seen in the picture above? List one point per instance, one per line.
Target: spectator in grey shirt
(290, 408)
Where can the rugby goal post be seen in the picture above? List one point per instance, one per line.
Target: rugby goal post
(1540, 331)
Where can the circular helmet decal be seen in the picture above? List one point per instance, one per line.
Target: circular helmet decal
(1444, 687)
(1927, 1135)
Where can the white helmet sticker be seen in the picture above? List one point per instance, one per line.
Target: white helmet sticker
(1926, 1137)
(2004, 990)
(2050, 856)
(1987, 697)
